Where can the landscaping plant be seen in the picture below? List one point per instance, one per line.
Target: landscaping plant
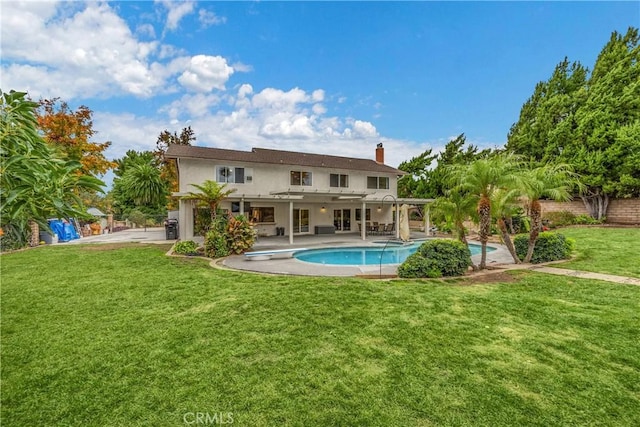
(186, 247)
(437, 258)
(549, 247)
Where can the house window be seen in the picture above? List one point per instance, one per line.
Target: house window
(230, 174)
(378, 182)
(359, 214)
(338, 180)
(235, 207)
(300, 178)
(263, 214)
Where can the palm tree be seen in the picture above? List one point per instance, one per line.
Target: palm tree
(550, 181)
(456, 207)
(480, 179)
(211, 194)
(505, 205)
(143, 184)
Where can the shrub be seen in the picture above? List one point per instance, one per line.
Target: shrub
(436, 258)
(549, 247)
(587, 220)
(417, 266)
(215, 244)
(240, 234)
(559, 219)
(186, 247)
(137, 217)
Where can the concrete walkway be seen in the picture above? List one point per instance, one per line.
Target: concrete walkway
(585, 274)
(148, 235)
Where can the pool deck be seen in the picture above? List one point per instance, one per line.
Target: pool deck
(293, 266)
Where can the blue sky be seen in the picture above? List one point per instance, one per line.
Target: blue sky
(322, 77)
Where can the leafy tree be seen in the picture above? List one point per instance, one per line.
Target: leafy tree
(481, 179)
(454, 153)
(132, 158)
(591, 122)
(34, 183)
(70, 132)
(554, 181)
(168, 168)
(414, 183)
(210, 195)
(607, 140)
(547, 120)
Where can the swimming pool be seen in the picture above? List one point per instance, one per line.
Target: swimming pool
(366, 255)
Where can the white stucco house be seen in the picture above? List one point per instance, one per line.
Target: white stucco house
(300, 193)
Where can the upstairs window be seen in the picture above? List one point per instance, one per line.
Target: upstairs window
(338, 180)
(378, 182)
(230, 174)
(301, 178)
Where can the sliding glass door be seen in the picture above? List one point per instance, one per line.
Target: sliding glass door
(342, 219)
(301, 220)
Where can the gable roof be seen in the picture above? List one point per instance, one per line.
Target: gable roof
(279, 157)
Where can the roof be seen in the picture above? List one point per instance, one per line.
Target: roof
(95, 212)
(279, 157)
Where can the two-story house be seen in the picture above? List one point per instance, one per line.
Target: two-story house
(290, 192)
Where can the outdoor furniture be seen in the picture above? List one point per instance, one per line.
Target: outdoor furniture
(325, 229)
(274, 254)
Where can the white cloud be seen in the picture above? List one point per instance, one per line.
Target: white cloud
(85, 50)
(177, 11)
(205, 73)
(364, 129)
(208, 18)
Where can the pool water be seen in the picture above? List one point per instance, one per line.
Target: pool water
(366, 255)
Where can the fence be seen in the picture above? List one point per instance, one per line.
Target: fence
(620, 211)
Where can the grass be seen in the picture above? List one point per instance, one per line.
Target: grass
(605, 250)
(123, 336)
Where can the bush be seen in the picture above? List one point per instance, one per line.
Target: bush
(437, 258)
(549, 247)
(137, 217)
(215, 244)
(186, 247)
(240, 234)
(559, 219)
(417, 266)
(587, 220)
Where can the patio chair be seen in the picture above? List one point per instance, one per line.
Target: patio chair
(391, 228)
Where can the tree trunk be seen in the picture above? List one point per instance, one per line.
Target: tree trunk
(463, 238)
(502, 226)
(536, 224)
(596, 204)
(484, 211)
(34, 240)
(461, 234)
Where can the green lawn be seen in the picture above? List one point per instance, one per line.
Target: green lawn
(605, 250)
(109, 336)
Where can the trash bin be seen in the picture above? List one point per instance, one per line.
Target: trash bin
(171, 228)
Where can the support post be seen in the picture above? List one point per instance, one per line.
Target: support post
(291, 222)
(363, 221)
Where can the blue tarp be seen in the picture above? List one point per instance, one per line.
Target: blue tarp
(64, 230)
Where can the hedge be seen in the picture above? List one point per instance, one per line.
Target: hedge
(437, 258)
(550, 246)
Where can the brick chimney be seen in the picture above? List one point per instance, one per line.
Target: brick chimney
(380, 154)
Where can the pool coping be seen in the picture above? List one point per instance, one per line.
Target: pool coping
(295, 267)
